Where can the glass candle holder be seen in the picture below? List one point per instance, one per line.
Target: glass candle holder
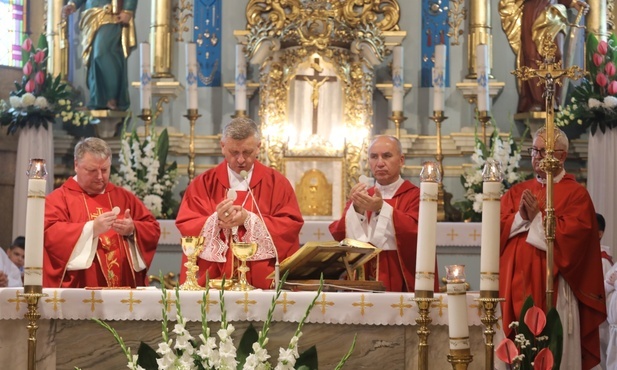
(492, 171)
(430, 172)
(455, 273)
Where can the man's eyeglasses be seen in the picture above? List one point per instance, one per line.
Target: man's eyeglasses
(535, 152)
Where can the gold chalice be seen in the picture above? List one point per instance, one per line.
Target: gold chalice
(243, 251)
(192, 247)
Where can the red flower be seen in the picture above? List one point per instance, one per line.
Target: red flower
(535, 319)
(544, 360)
(27, 68)
(601, 79)
(612, 87)
(27, 45)
(507, 351)
(30, 86)
(39, 57)
(598, 59)
(609, 69)
(603, 47)
(39, 78)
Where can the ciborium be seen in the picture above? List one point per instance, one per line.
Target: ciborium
(192, 247)
(243, 251)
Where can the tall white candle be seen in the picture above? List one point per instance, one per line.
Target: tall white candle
(482, 71)
(439, 77)
(398, 90)
(191, 75)
(35, 212)
(240, 91)
(489, 245)
(145, 87)
(458, 327)
(427, 237)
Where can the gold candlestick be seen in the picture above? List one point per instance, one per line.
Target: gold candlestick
(423, 299)
(438, 118)
(192, 247)
(460, 358)
(489, 299)
(397, 117)
(32, 294)
(239, 113)
(192, 115)
(146, 116)
(485, 119)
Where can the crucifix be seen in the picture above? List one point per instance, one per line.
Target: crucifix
(549, 73)
(315, 80)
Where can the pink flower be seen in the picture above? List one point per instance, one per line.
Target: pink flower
(535, 319)
(544, 360)
(27, 68)
(506, 351)
(27, 45)
(30, 86)
(612, 88)
(597, 59)
(39, 78)
(601, 79)
(602, 47)
(39, 57)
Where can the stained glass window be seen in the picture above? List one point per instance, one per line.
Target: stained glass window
(12, 31)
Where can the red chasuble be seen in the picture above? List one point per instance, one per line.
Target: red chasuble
(67, 210)
(277, 202)
(522, 267)
(396, 269)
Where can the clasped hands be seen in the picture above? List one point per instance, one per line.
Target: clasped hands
(230, 215)
(110, 221)
(362, 201)
(528, 206)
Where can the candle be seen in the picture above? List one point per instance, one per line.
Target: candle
(439, 77)
(482, 71)
(191, 75)
(489, 241)
(427, 228)
(458, 328)
(35, 212)
(145, 87)
(240, 91)
(398, 91)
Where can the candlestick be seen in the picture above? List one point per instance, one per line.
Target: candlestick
(191, 75)
(35, 211)
(458, 327)
(439, 77)
(145, 86)
(427, 227)
(240, 88)
(398, 91)
(192, 115)
(423, 299)
(482, 71)
(397, 117)
(489, 245)
(438, 117)
(146, 116)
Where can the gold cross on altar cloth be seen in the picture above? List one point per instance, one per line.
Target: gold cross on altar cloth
(92, 301)
(323, 303)
(452, 234)
(440, 305)
(475, 234)
(209, 302)
(362, 305)
(55, 300)
(246, 302)
(315, 80)
(17, 300)
(318, 234)
(285, 302)
(131, 301)
(401, 306)
(169, 300)
(164, 233)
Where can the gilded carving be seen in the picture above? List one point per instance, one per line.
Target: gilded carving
(183, 11)
(385, 13)
(456, 15)
(314, 194)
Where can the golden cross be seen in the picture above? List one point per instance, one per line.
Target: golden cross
(170, 301)
(318, 233)
(362, 305)
(164, 233)
(99, 211)
(475, 234)
(440, 305)
(246, 302)
(55, 300)
(131, 301)
(209, 302)
(285, 302)
(323, 303)
(452, 234)
(92, 301)
(17, 300)
(401, 306)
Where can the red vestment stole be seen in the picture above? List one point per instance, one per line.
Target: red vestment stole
(110, 251)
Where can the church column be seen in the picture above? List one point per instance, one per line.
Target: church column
(160, 39)
(479, 33)
(57, 62)
(596, 19)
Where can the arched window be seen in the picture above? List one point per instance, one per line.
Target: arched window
(12, 31)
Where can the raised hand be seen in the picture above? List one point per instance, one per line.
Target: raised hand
(124, 226)
(104, 222)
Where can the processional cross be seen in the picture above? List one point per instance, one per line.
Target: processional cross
(549, 73)
(315, 80)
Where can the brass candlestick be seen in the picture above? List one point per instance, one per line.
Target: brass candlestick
(438, 117)
(146, 116)
(192, 247)
(485, 119)
(239, 113)
(489, 299)
(460, 358)
(397, 117)
(192, 115)
(32, 294)
(423, 299)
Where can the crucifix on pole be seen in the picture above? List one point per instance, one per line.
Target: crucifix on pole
(549, 74)
(315, 80)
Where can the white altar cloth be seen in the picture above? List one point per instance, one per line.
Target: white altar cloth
(146, 304)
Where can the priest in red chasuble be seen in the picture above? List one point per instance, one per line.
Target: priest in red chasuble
(96, 234)
(219, 205)
(385, 215)
(577, 267)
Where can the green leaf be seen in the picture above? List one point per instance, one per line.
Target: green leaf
(147, 357)
(308, 360)
(554, 331)
(162, 146)
(245, 348)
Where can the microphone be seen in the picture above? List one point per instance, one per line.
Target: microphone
(277, 272)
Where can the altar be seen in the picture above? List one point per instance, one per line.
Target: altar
(383, 322)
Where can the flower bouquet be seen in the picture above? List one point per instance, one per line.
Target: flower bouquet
(144, 171)
(40, 97)
(593, 103)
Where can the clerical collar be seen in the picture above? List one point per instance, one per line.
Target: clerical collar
(388, 191)
(556, 179)
(237, 182)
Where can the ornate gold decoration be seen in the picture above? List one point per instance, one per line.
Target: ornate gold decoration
(489, 301)
(160, 36)
(314, 194)
(610, 15)
(423, 299)
(192, 115)
(183, 11)
(479, 33)
(32, 294)
(460, 358)
(438, 117)
(456, 15)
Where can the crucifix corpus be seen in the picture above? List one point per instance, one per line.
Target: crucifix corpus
(315, 80)
(549, 74)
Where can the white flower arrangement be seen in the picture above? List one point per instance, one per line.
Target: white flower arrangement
(144, 172)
